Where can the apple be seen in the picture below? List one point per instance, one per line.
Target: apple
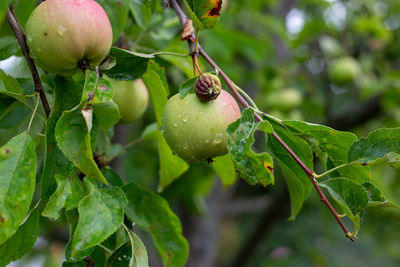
(195, 130)
(284, 99)
(344, 70)
(131, 97)
(65, 36)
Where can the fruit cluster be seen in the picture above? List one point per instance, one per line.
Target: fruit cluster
(66, 36)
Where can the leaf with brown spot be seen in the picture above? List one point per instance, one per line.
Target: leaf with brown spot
(255, 168)
(17, 182)
(204, 13)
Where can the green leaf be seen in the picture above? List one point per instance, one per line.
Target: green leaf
(351, 197)
(376, 197)
(150, 132)
(129, 66)
(23, 10)
(131, 254)
(74, 264)
(15, 118)
(72, 217)
(68, 194)
(100, 214)
(107, 114)
(298, 183)
(141, 12)
(171, 166)
(225, 169)
(22, 241)
(10, 86)
(67, 95)
(17, 182)
(112, 177)
(8, 47)
(98, 89)
(73, 138)
(332, 148)
(205, 11)
(254, 168)
(382, 146)
(152, 213)
(117, 11)
(187, 87)
(3, 10)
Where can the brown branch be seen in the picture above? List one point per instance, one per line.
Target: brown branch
(243, 102)
(20, 35)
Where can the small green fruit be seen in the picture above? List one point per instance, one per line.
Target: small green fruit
(344, 70)
(67, 35)
(131, 97)
(285, 99)
(196, 130)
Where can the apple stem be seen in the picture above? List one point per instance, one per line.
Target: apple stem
(310, 174)
(20, 35)
(83, 64)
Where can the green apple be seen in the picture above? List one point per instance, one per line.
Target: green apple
(131, 97)
(195, 130)
(344, 70)
(284, 99)
(65, 36)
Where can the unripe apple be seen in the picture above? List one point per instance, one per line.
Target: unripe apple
(344, 70)
(131, 97)
(67, 35)
(196, 130)
(284, 99)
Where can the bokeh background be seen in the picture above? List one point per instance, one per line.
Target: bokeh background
(281, 52)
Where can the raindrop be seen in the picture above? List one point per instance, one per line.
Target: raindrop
(61, 30)
(218, 138)
(175, 125)
(186, 118)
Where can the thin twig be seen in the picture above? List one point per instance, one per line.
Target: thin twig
(20, 35)
(34, 112)
(243, 102)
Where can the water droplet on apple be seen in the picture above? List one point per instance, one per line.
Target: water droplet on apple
(186, 146)
(186, 118)
(61, 30)
(218, 138)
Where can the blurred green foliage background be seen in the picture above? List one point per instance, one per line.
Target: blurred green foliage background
(281, 53)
